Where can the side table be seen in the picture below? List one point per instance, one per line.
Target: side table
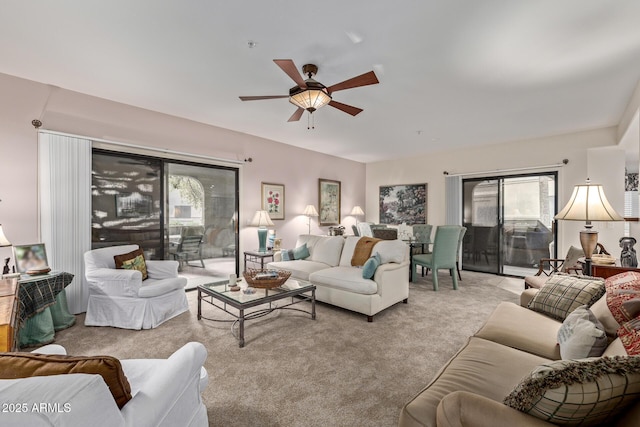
(257, 257)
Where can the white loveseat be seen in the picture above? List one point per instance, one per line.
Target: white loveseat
(165, 393)
(338, 283)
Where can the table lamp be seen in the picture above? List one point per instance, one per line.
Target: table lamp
(588, 203)
(357, 211)
(310, 211)
(261, 220)
(3, 239)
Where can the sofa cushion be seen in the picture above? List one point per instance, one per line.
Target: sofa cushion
(24, 365)
(328, 250)
(535, 282)
(581, 335)
(154, 287)
(391, 251)
(579, 392)
(347, 250)
(603, 314)
(482, 367)
(369, 268)
(524, 329)
(132, 261)
(346, 278)
(615, 348)
(300, 269)
(562, 294)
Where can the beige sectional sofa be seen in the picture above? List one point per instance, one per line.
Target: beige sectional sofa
(470, 389)
(339, 283)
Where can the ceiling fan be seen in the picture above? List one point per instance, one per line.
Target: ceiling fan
(310, 94)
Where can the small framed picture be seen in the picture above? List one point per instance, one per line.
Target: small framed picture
(30, 257)
(273, 200)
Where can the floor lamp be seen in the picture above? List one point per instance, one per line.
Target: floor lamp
(310, 211)
(588, 203)
(262, 220)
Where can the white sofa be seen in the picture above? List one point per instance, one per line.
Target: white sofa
(165, 392)
(120, 298)
(338, 283)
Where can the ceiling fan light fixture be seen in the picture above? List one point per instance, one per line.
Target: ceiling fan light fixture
(315, 96)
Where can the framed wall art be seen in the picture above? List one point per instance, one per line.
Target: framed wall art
(273, 200)
(30, 257)
(329, 202)
(403, 204)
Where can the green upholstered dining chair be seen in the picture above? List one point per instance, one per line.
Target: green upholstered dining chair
(463, 231)
(443, 255)
(422, 236)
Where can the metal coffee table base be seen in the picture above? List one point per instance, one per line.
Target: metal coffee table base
(242, 313)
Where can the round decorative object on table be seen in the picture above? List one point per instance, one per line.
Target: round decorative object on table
(266, 279)
(38, 271)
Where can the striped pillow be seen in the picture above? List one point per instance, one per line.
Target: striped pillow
(561, 294)
(581, 392)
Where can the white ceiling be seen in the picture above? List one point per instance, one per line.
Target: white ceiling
(452, 73)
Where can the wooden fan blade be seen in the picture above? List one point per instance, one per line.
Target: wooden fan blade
(354, 111)
(289, 67)
(258, 98)
(296, 116)
(361, 80)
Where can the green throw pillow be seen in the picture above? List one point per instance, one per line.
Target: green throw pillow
(301, 252)
(585, 392)
(561, 294)
(370, 267)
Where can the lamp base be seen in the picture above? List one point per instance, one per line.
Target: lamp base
(588, 241)
(262, 239)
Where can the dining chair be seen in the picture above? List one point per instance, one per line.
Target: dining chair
(443, 255)
(422, 237)
(463, 231)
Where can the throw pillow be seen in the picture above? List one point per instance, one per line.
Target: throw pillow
(581, 335)
(578, 392)
(23, 365)
(362, 252)
(629, 334)
(623, 295)
(301, 252)
(370, 267)
(571, 260)
(561, 294)
(132, 261)
(603, 314)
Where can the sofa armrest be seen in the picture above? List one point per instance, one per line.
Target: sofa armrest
(162, 269)
(392, 275)
(464, 409)
(114, 282)
(171, 392)
(527, 295)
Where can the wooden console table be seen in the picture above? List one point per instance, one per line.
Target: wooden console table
(604, 271)
(8, 314)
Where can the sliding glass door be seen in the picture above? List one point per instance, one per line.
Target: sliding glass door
(171, 209)
(509, 222)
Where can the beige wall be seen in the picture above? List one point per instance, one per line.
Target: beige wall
(577, 147)
(80, 114)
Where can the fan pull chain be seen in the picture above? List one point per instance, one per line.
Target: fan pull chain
(311, 121)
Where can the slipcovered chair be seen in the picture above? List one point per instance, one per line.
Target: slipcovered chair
(444, 254)
(120, 298)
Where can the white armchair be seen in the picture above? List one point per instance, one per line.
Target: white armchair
(165, 393)
(121, 299)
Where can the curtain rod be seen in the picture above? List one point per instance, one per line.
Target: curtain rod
(555, 165)
(145, 147)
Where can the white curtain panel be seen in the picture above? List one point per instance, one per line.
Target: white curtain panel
(65, 208)
(453, 200)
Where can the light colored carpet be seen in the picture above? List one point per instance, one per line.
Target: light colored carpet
(338, 370)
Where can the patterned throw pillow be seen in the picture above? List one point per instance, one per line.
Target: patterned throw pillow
(561, 294)
(132, 261)
(581, 335)
(623, 295)
(583, 392)
(629, 334)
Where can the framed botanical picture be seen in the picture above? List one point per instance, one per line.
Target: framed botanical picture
(403, 204)
(30, 257)
(329, 202)
(273, 200)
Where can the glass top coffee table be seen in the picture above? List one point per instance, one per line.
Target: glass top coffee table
(219, 295)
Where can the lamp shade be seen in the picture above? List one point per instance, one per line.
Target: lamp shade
(310, 210)
(588, 203)
(311, 98)
(261, 219)
(3, 239)
(357, 210)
